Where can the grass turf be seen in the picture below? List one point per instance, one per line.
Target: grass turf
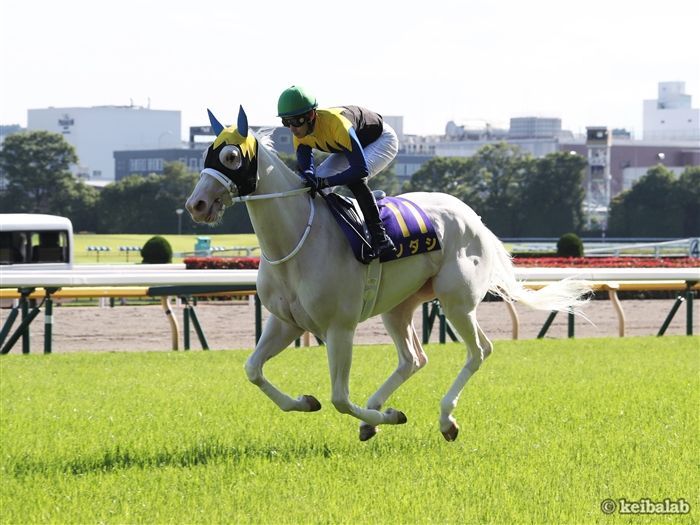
(549, 429)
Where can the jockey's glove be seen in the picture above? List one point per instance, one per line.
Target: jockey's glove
(315, 184)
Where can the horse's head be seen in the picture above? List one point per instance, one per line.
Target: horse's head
(230, 169)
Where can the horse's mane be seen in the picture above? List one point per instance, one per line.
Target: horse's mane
(267, 148)
(264, 137)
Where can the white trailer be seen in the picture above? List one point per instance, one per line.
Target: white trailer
(31, 241)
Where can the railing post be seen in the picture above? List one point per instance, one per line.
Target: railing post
(8, 324)
(426, 328)
(571, 324)
(48, 323)
(198, 329)
(24, 304)
(547, 324)
(186, 323)
(258, 319)
(689, 295)
(679, 300)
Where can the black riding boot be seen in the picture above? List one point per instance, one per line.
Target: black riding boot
(382, 245)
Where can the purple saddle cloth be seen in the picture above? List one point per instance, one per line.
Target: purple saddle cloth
(405, 222)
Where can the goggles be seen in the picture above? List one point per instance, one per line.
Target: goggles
(295, 121)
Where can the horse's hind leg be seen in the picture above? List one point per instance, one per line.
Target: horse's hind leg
(276, 336)
(412, 357)
(478, 348)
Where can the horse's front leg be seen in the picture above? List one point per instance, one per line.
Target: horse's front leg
(339, 344)
(277, 336)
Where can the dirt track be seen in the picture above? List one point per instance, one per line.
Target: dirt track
(231, 325)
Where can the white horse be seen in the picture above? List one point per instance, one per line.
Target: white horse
(309, 280)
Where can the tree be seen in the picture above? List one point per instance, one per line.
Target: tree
(78, 202)
(386, 181)
(553, 193)
(138, 204)
(443, 174)
(648, 209)
(37, 169)
(499, 171)
(687, 198)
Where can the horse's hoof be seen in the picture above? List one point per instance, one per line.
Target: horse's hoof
(400, 417)
(314, 405)
(367, 432)
(451, 433)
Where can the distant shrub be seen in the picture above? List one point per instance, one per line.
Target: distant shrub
(569, 245)
(157, 250)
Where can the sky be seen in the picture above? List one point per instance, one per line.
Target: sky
(589, 63)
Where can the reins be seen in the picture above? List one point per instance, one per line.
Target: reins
(290, 193)
(312, 212)
(278, 195)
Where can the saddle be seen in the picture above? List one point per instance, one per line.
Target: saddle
(406, 224)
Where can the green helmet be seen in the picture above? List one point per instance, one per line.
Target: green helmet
(295, 101)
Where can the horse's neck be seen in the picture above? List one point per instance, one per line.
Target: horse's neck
(278, 222)
(273, 175)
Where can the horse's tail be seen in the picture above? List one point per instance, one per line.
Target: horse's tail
(564, 296)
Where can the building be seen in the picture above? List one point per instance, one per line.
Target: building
(97, 132)
(539, 136)
(671, 116)
(152, 161)
(146, 161)
(631, 159)
(534, 127)
(534, 135)
(396, 124)
(628, 161)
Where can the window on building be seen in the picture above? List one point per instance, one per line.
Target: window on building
(155, 165)
(137, 165)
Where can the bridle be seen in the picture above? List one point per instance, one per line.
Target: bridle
(228, 184)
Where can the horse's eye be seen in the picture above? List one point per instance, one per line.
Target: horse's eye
(231, 157)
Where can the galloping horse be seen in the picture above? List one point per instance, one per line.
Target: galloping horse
(309, 280)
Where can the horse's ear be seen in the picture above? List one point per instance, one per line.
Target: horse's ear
(215, 124)
(242, 122)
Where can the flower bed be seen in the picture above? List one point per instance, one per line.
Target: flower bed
(606, 262)
(222, 263)
(252, 263)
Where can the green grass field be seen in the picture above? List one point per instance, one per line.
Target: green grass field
(179, 243)
(549, 429)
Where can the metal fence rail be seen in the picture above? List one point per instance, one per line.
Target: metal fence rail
(137, 281)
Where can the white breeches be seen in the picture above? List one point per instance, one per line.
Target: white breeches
(379, 154)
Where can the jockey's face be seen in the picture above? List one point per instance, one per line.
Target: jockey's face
(300, 126)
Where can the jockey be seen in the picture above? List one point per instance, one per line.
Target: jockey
(360, 144)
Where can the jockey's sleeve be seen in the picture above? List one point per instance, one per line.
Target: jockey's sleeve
(358, 168)
(305, 160)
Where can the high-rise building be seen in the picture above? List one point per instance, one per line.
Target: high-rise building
(671, 116)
